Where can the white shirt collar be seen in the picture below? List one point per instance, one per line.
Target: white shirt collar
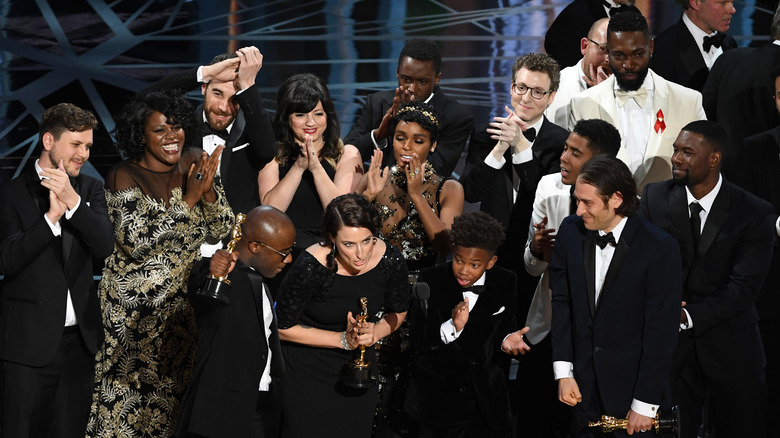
(429, 98)
(617, 231)
(38, 169)
(707, 200)
(481, 281)
(776, 42)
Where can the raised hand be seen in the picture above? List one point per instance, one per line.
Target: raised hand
(514, 344)
(401, 96)
(414, 175)
(251, 63)
(57, 181)
(376, 178)
(222, 263)
(542, 243)
(460, 314)
(200, 178)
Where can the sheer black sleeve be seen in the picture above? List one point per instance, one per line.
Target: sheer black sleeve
(396, 276)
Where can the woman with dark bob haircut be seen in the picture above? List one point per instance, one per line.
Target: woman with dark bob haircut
(164, 202)
(312, 165)
(316, 310)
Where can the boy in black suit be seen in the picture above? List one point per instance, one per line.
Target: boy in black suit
(460, 388)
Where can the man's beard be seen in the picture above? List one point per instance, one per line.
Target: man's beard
(630, 85)
(683, 180)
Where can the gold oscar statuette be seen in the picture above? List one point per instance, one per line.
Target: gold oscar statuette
(660, 424)
(357, 373)
(216, 287)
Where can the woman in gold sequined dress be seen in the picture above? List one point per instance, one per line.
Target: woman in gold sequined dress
(164, 202)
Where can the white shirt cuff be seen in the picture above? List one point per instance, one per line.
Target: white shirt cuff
(492, 162)
(69, 213)
(777, 226)
(643, 408)
(448, 331)
(55, 228)
(562, 369)
(200, 75)
(381, 145)
(523, 157)
(690, 321)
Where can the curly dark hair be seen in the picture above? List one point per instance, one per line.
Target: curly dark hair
(422, 50)
(350, 210)
(131, 123)
(628, 22)
(603, 138)
(609, 176)
(421, 113)
(65, 117)
(541, 63)
(477, 229)
(300, 94)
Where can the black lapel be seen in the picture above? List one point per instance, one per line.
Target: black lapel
(621, 253)
(256, 281)
(716, 218)
(40, 196)
(235, 134)
(689, 52)
(67, 232)
(589, 259)
(770, 162)
(678, 208)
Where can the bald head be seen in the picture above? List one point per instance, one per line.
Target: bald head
(594, 50)
(266, 233)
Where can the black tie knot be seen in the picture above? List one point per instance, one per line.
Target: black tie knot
(602, 241)
(530, 134)
(208, 130)
(695, 209)
(476, 290)
(714, 40)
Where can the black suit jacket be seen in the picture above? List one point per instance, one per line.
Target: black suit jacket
(723, 276)
(221, 400)
(758, 171)
(677, 58)
(623, 347)
(738, 95)
(37, 277)
(250, 146)
(562, 40)
(450, 380)
(455, 127)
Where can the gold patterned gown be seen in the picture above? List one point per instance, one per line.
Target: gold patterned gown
(146, 359)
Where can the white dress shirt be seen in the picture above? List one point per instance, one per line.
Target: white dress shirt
(268, 317)
(698, 36)
(635, 124)
(56, 229)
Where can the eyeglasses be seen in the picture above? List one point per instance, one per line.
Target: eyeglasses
(282, 254)
(536, 93)
(602, 46)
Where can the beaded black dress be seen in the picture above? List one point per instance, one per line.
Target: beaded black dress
(314, 402)
(146, 359)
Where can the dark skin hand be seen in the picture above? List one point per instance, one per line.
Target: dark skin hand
(401, 96)
(222, 263)
(543, 241)
(203, 188)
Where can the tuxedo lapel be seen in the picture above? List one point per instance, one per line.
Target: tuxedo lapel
(655, 139)
(621, 253)
(40, 196)
(770, 162)
(258, 291)
(715, 218)
(235, 133)
(689, 52)
(589, 259)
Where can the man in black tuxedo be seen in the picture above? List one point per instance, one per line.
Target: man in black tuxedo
(506, 161)
(738, 93)
(562, 40)
(685, 52)
(758, 171)
(726, 237)
(616, 288)
(53, 223)
(419, 71)
(237, 382)
(233, 116)
(459, 388)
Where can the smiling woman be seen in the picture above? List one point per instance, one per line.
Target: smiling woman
(164, 201)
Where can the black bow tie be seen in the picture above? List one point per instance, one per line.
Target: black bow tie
(530, 134)
(476, 290)
(614, 10)
(715, 40)
(208, 130)
(602, 241)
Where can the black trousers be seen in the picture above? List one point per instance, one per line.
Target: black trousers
(52, 401)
